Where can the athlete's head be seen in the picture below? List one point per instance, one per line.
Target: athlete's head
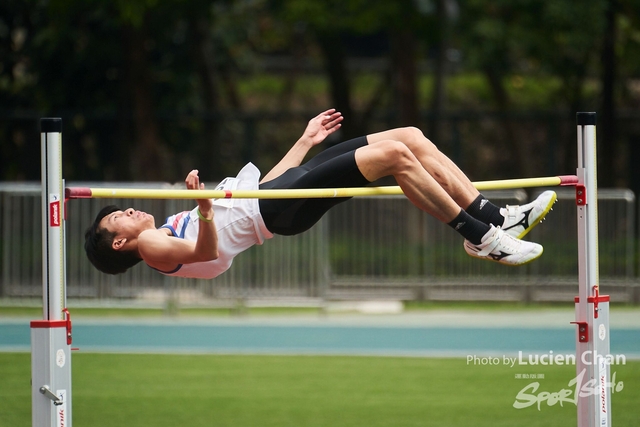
(108, 241)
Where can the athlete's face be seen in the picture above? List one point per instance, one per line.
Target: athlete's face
(127, 224)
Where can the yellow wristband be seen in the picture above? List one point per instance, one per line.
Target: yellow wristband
(202, 218)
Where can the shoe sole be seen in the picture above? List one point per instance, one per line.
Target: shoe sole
(528, 261)
(505, 263)
(540, 219)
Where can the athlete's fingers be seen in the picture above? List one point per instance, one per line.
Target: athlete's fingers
(192, 180)
(334, 119)
(328, 112)
(333, 128)
(327, 116)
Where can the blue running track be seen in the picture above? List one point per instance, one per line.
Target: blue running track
(254, 337)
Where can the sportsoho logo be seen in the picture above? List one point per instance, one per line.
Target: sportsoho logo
(580, 386)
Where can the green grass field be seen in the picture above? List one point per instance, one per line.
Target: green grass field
(211, 390)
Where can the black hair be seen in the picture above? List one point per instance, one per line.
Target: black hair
(98, 246)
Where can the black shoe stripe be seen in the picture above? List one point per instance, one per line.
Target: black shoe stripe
(498, 257)
(523, 222)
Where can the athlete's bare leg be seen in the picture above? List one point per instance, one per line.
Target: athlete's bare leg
(439, 166)
(389, 157)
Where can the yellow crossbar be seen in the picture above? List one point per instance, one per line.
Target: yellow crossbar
(133, 193)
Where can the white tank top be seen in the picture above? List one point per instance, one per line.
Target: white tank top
(238, 223)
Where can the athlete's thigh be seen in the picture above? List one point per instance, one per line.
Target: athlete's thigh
(397, 134)
(338, 171)
(292, 216)
(335, 151)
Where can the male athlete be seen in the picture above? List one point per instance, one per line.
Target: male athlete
(202, 243)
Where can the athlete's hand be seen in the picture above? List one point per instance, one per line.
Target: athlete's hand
(192, 182)
(322, 125)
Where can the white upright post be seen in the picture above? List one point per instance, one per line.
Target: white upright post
(592, 309)
(51, 336)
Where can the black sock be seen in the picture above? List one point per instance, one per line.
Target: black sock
(470, 228)
(485, 211)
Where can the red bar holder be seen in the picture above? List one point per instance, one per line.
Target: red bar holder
(583, 331)
(581, 195)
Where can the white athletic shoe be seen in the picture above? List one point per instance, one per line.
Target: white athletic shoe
(501, 247)
(519, 220)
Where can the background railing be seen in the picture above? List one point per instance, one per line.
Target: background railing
(367, 248)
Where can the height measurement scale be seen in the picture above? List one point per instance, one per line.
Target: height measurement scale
(51, 336)
(591, 308)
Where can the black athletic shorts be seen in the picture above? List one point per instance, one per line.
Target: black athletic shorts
(334, 167)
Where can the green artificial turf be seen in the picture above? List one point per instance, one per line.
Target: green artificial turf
(214, 390)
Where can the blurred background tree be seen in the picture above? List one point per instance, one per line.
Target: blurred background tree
(149, 89)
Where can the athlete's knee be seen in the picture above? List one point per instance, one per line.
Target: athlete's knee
(415, 139)
(398, 155)
(387, 157)
(413, 132)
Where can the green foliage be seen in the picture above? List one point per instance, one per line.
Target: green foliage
(133, 12)
(104, 65)
(555, 39)
(361, 16)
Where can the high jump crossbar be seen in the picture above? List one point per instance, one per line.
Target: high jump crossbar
(132, 193)
(51, 336)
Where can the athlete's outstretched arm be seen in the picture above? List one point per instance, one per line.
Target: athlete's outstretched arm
(207, 242)
(159, 250)
(319, 127)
